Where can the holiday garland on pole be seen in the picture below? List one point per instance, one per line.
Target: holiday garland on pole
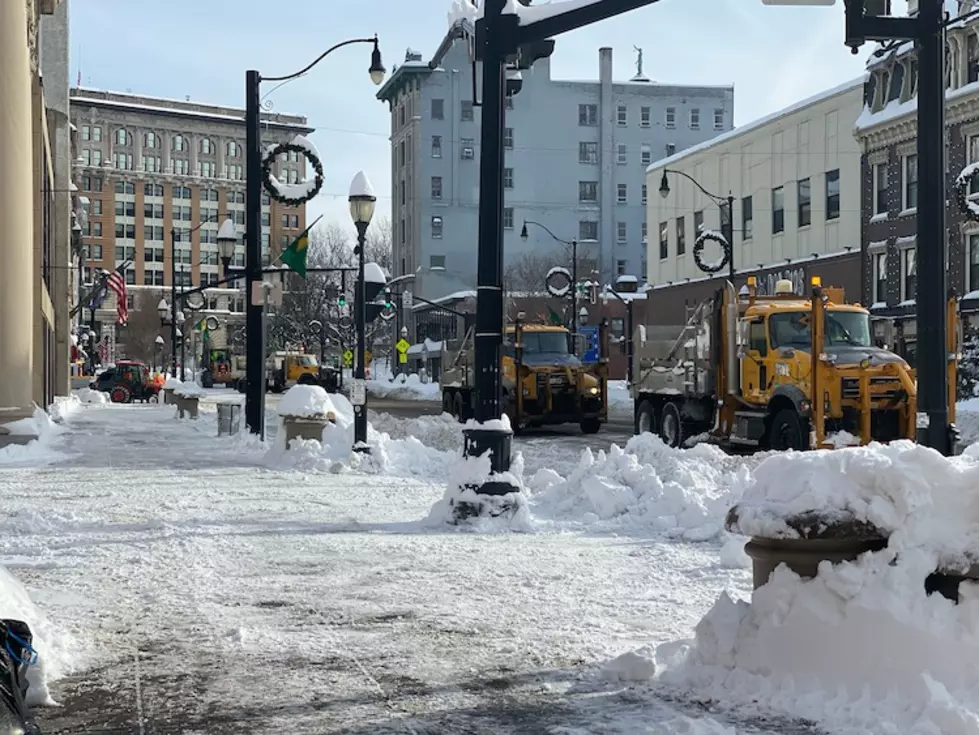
(292, 194)
(962, 186)
(698, 251)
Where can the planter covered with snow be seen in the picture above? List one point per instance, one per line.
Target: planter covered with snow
(306, 410)
(169, 387)
(187, 398)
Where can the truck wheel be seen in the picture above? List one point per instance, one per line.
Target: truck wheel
(121, 394)
(590, 425)
(787, 432)
(671, 426)
(446, 402)
(645, 418)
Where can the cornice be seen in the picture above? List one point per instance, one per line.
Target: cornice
(958, 109)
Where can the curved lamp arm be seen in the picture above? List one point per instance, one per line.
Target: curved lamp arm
(546, 229)
(691, 179)
(319, 58)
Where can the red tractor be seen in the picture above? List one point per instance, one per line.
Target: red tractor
(128, 381)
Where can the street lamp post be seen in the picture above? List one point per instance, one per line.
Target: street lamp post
(573, 242)
(158, 356)
(255, 303)
(629, 329)
(727, 223)
(362, 203)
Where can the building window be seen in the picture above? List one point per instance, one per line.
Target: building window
(467, 111)
(508, 218)
(622, 193)
(150, 140)
(401, 154)
(880, 189)
(152, 164)
(436, 261)
(181, 166)
(718, 119)
(645, 190)
(436, 146)
(695, 118)
(645, 117)
(698, 222)
(880, 278)
(587, 152)
(622, 116)
(664, 240)
(182, 192)
(508, 178)
(747, 222)
(123, 161)
(509, 102)
(670, 149)
(973, 262)
(622, 232)
(620, 267)
(436, 187)
(436, 227)
(94, 229)
(125, 209)
(646, 153)
(909, 282)
(123, 137)
(153, 190)
(232, 149)
(96, 207)
(622, 154)
(468, 149)
(588, 115)
(125, 187)
(178, 143)
(508, 138)
(587, 191)
(438, 109)
(588, 230)
(670, 117)
(910, 181)
(833, 194)
(681, 236)
(805, 202)
(778, 210)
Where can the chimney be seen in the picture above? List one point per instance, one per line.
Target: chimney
(605, 65)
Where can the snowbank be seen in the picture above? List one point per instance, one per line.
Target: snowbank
(861, 647)
(172, 384)
(306, 401)
(38, 451)
(500, 513)
(190, 390)
(647, 486)
(87, 395)
(411, 389)
(54, 648)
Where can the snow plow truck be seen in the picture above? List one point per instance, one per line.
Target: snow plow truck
(779, 372)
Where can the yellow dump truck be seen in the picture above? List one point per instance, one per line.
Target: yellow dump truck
(286, 369)
(544, 383)
(788, 371)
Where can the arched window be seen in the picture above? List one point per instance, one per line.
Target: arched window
(897, 82)
(123, 137)
(179, 143)
(150, 140)
(206, 145)
(233, 150)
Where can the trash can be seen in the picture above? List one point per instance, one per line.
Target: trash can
(229, 419)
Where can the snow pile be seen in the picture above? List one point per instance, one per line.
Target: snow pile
(54, 648)
(306, 401)
(87, 395)
(190, 390)
(861, 647)
(172, 384)
(646, 486)
(441, 432)
(40, 450)
(63, 407)
(410, 389)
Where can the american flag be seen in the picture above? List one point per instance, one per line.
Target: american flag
(117, 284)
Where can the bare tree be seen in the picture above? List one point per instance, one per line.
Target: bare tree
(380, 244)
(526, 274)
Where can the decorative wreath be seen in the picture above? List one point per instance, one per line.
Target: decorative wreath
(273, 185)
(558, 282)
(962, 185)
(698, 251)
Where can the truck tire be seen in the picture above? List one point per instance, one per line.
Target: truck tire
(590, 425)
(671, 425)
(121, 394)
(645, 419)
(446, 402)
(787, 432)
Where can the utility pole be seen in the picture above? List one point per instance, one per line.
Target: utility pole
(254, 298)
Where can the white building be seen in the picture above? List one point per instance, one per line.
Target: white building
(795, 178)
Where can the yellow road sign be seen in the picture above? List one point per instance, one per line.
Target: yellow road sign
(368, 357)
(402, 346)
(402, 358)
(348, 358)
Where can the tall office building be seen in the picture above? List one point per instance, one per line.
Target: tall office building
(576, 156)
(150, 164)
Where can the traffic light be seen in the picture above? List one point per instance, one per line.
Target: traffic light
(342, 301)
(375, 282)
(387, 298)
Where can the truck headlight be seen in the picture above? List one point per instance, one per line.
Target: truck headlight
(593, 391)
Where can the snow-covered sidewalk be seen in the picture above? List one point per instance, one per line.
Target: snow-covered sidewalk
(185, 583)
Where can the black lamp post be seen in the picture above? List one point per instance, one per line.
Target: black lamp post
(362, 203)
(255, 304)
(227, 239)
(574, 273)
(727, 223)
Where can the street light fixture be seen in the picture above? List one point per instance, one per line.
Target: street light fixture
(362, 203)
(574, 275)
(376, 70)
(727, 222)
(227, 239)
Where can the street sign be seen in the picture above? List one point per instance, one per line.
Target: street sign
(368, 357)
(402, 346)
(348, 358)
(407, 300)
(402, 358)
(358, 392)
(590, 335)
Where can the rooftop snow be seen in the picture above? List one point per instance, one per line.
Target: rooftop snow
(755, 124)
(896, 109)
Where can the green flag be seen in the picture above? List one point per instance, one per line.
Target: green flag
(294, 256)
(554, 318)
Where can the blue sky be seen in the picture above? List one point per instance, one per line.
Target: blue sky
(201, 48)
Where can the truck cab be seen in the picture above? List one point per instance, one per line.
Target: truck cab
(286, 369)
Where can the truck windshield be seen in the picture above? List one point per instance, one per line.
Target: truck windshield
(307, 361)
(545, 343)
(842, 328)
